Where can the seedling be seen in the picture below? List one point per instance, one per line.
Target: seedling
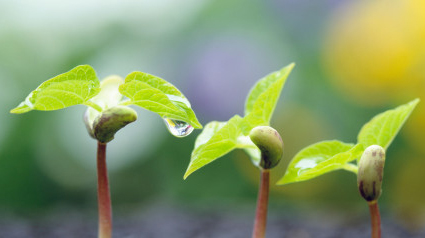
(369, 153)
(250, 133)
(369, 182)
(108, 112)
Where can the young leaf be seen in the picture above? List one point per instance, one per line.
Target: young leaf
(263, 97)
(74, 87)
(107, 98)
(216, 140)
(321, 158)
(382, 129)
(159, 96)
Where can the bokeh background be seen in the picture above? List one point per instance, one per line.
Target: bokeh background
(353, 59)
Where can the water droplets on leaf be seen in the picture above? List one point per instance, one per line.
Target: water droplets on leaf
(178, 128)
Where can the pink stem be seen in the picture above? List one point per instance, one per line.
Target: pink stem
(103, 194)
(262, 203)
(375, 219)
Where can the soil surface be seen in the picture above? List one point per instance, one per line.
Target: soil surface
(166, 222)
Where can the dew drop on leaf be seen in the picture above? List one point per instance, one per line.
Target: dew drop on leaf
(178, 128)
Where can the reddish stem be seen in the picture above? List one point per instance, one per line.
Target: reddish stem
(262, 204)
(375, 219)
(103, 194)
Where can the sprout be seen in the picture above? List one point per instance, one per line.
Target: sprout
(371, 170)
(270, 144)
(111, 121)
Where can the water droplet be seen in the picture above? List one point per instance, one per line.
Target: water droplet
(178, 128)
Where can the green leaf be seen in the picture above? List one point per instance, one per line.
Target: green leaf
(74, 87)
(216, 140)
(382, 129)
(263, 97)
(321, 158)
(159, 96)
(209, 130)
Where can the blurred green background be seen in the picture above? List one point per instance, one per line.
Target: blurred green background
(353, 59)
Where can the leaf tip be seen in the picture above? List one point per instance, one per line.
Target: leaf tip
(285, 71)
(196, 124)
(415, 101)
(291, 66)
(20, 109)
(188, 172)
(14, 111)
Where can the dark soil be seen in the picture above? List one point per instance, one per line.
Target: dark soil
(166, 222)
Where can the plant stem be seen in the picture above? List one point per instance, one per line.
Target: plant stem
(262, 204)
(103, 194)
(375, 219)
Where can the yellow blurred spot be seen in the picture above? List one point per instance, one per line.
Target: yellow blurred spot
(374, 51)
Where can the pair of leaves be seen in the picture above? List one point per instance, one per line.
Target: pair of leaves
(327, 156)
(220, 138)
(81, 84)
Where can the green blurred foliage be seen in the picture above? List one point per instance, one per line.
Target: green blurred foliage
(205, 48)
